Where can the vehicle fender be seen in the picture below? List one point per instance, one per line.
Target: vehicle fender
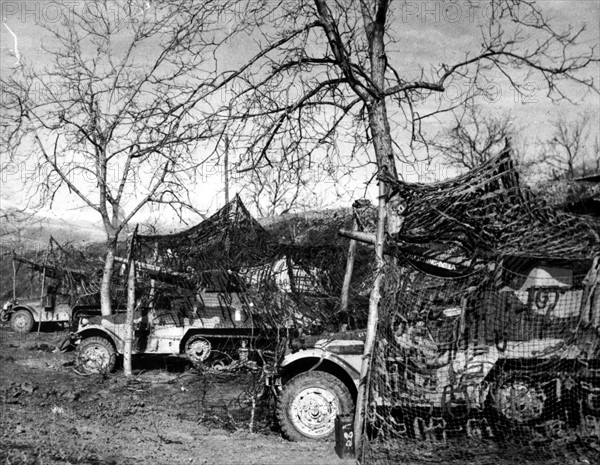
(349, 364)
(34, 314)
(100, 331)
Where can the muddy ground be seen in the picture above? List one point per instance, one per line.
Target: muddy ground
(169, 414)
(165, 414)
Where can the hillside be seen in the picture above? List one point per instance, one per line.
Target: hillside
(30, 232)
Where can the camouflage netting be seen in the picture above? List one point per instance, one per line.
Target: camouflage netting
(60, 268)
(282, 282)
(488, 341)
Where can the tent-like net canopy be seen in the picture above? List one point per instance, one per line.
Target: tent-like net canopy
(229, 237)
(64, 269)
(488, 339)
(283, 286)
(488, 213)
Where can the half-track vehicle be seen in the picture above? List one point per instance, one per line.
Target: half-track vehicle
(209, 327)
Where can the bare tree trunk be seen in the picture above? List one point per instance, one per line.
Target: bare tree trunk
(109, 262)
(365, 370)
(384, 152)
(105, 300)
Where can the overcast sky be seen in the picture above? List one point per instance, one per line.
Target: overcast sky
(431, 32)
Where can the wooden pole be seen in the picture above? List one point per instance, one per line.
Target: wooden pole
(153, 281)
(348, 275)
(128, 340)
(590, 303)
(226, 170)
(361, 400)
(14, 286)
(42, 290)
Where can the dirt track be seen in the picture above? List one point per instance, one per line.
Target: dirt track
(164, 415)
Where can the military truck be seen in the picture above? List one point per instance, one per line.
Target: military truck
(53, 307)
(510, 358)
(53, 300)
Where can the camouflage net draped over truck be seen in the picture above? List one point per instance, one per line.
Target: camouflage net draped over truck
(56, 285)
(76, 271)
(285, 285)
(488, 346)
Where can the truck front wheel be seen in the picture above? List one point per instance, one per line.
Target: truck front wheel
(96, 355)
(309, 404)
(21, 321)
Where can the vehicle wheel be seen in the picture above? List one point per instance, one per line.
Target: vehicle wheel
(198, 350)
(96, 355)
(309, 404)
(21, 321)
(517, 401)
(220, 360)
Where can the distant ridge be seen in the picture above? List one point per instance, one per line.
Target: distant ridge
(21, 232)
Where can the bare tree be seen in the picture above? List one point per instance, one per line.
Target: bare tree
(289, 185)
(117, 116)
(13, 220)
(474, 137)
(333, 73)
(331, 80)
(573, 148)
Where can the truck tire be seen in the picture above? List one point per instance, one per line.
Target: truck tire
(516, 403)
(96, 355)
(198, 350)
(309, 404)
(21, 321)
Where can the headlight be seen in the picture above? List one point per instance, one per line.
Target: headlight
(6, 305)
(84, 322)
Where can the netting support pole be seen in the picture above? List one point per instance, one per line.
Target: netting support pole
(348, 276)
(361, 400)
(153, 281)
(44, 275)
(226, 169)
(128, 339)
(14, 286)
